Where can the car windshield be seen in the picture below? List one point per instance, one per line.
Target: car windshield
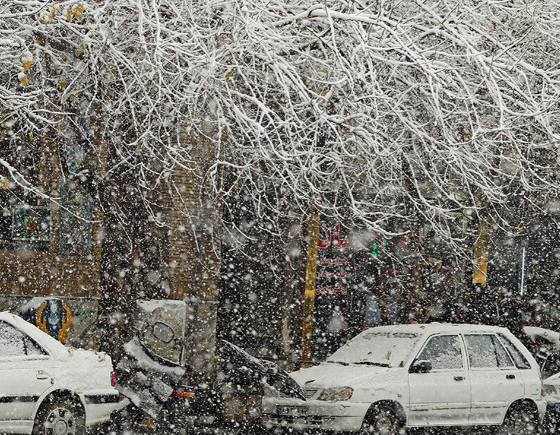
(384, 349)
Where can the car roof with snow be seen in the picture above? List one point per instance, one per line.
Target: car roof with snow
(394, 345)
(432, 328)
(45, 340)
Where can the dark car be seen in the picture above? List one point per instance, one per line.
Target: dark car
(164, 392)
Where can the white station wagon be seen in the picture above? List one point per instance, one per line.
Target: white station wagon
(393, 377)
(47, 388)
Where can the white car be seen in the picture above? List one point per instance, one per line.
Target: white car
(393, 377)
(552, 397)
(47, 388)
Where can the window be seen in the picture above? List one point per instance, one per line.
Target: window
(485, 351)
(11, 341)
(14, 343)
(518, 358)
(504, 360)
(23, 224)
(444, 352)
(32, 348)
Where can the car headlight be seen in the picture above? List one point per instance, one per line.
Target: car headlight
(336, 394)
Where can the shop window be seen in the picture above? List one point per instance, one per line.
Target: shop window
(24, 225)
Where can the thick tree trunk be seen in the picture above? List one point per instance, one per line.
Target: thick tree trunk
(133, 260)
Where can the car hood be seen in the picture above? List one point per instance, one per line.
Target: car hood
(553, 380)
(552, 388)
(337, 375)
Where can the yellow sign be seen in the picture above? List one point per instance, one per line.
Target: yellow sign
(310, 279)
(480, 250)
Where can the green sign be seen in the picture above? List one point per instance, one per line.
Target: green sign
(377, 241)
(31, 224)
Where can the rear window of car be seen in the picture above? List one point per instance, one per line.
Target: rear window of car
(16, 344)
(485, 351)
(518, 358)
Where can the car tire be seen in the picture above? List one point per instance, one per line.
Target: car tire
(60, 416)
(520, 420)
(381, 421)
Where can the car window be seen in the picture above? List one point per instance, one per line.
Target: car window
(518, 358)
(32, 348)
(504, 359)
(14, 343)
(11, 341)
(444, 352)
(485, 351)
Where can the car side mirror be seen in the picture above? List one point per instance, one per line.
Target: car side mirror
(421, 366)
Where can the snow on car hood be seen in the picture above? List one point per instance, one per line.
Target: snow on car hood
(337, 375)
(552, 337)
(76, 369)
(553, 380)
(552, 388)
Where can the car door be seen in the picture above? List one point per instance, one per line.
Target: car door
(440, 396)
(495, 380)
(530, 375)
(25, 374)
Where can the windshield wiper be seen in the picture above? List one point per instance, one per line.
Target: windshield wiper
(338, 362)
(371, 363)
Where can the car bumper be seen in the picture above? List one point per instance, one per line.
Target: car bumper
(313, 414)
(100, 406)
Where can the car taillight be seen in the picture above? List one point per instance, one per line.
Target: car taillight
(184, 392)
(113, 379)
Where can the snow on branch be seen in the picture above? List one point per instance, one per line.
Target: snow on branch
(305, 103)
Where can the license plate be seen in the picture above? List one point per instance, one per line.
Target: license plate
(291, 411)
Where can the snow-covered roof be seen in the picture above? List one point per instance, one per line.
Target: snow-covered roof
(393, 345)
(52, 345)
(431, 328)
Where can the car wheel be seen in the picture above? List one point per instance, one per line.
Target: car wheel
(60, 416)
(519, 421)
(381, 422)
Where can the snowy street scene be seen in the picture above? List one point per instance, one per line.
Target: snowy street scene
(272, 217)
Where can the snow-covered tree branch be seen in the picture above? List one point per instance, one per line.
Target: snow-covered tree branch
(387, 111)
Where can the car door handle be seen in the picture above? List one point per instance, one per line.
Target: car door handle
(42, 375)
(510, 376)
(459, 378)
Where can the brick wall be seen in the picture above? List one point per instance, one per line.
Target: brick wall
(31, 273)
